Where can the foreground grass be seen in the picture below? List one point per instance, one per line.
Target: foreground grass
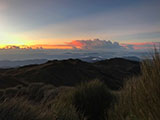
(140, 98)
(20, 109)
(91, 100)
(88, 101)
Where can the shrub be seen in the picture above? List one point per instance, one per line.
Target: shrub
(140, 98)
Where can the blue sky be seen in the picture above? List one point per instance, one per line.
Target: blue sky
(60, 21)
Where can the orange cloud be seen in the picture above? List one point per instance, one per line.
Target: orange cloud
(76, 44)
(141, 45)
(95, 44)
(88, 45)
(51, 47)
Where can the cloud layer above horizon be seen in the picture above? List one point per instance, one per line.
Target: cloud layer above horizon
(77, 49)
(89, 45)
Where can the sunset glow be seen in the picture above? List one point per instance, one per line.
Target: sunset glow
(60, 25)
(11, 39)
(36, 47)
(51, 47)
(81, 45)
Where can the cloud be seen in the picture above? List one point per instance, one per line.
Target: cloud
(142, 45)
(89, 45)
(76, 49)
(95, 44)
(15, 47)
(36, 47)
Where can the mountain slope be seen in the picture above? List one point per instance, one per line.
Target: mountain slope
(71, 72)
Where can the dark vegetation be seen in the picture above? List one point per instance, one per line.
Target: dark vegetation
(70, 73)
(140, 97)
(112, 89)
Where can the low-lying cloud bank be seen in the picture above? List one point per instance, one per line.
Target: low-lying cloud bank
(142, 46)
(77, 49)
(94, 45)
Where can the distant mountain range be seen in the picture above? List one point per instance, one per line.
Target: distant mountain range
(70, 72)
(20, 63)
(99, 58)
(133, 58)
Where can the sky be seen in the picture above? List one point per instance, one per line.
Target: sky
(59, 24)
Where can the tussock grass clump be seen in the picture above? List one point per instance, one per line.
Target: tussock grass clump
(89, 100)
(19, 109)
(1, 93)
(92, 99)
(35, 92)
(66, 111)
(11, 92)
(62, 106)
(140, 98)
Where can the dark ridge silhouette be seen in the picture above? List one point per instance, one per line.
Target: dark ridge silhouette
(19, 63)
(71, 72)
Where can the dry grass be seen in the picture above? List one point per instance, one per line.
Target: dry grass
(140, 98)
(20, 109)
(88, 100)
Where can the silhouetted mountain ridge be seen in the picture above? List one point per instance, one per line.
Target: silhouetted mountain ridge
(19, 63)
(71, 72)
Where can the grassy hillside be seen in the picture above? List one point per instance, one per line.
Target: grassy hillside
(70, 72)
(36, 99)
(87, 101)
